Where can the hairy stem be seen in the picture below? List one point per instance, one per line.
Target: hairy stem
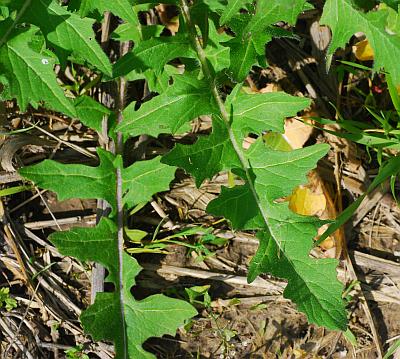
(221, 106)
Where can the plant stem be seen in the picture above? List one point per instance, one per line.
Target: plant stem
(98, 271)
(221, 106)
(119, 148)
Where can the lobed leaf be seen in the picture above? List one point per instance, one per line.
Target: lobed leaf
(312, 283)
(185, 100)
(118, 316)
(277, 173)
(217, 54)
(261, 112)
(231, 9)
(154, 54)
(285, 237)
(90, 112)
(208, 156)
(67, 33)
(76, 181)
(121, 8)
(253, 32)
(291, 234)
(144, 178)
(30, 76)
(386, 46)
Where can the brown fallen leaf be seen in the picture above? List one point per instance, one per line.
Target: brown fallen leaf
(297, 133)
(271, 87)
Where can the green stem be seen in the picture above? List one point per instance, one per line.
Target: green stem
(221, 106)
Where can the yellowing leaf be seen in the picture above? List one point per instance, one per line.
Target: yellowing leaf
(364, 51)
(307, 202)
(314, 199)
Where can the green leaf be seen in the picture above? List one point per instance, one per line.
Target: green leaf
(90, 112)
(67, 33)
(249, 49)
(386, 47)
(136, 33)
(208, 156)
(30, 76)
(13, 190)
(285, 246)
(185, 100)
(121, 8)
(272, 11)
(6, 300)
(392, 349)
(217, 55)
(312, 283)
(253, 32)
(256, 113)
(279, 172)
(393, 18)
(276, 141)
(238, 205)
(144, 178)
(154, 54)
(243, 57)
(135, 235)
(118, 316)
(231, 9)
(76, 181)
(285, 237)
